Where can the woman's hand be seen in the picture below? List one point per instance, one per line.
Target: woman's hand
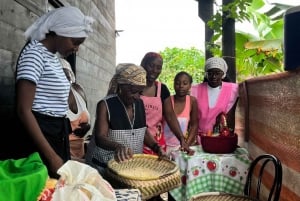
(123, 153)
(186, 148)
(82, 129)
(162, 154)
(54, 165)
(159, 151)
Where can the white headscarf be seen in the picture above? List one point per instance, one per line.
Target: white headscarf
(64, 21)
(216, 62)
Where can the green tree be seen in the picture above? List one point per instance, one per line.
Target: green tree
(256, 54)
(178, 59)
(260, 53)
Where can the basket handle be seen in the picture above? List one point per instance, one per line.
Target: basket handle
(165, 175)
(169, 173)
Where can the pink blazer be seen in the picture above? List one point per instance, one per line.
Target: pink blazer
(207, 116)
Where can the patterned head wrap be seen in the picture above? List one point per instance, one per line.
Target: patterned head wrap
(64, 21)
(216, 62)
(149, 57)
(127, 73)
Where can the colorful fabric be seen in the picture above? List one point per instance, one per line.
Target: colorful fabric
(22, 179)
(154, 118)
(204, 172)
(65, 21)
(207, 115)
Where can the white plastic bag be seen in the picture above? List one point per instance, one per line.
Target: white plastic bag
(79, 181)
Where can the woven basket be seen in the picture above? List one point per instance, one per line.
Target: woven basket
(223, 197)
(144, 172)
(219, 144)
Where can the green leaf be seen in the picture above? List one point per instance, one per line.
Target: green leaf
(257, 4)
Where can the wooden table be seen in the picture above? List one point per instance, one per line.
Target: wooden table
(205, 172)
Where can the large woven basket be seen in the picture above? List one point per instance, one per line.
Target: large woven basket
(144, 172)
(219, 144)
(223, 197)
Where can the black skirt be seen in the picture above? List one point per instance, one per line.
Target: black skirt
(19, 144)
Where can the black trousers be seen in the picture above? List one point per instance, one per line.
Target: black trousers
(17, 143)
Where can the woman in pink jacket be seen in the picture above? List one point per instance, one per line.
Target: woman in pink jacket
(215, 96)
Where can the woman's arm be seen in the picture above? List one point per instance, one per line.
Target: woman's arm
(231, 116)
(171, 119)
(25, 96)
(101, 128)
(101, 135)
(173, 123)
(149, 141)
(80, 90)
(193, 124)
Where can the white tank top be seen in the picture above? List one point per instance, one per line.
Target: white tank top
(81, 106)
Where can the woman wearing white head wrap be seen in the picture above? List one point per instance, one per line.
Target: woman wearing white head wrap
(65, 21)
(216, 63)
(42, 88)
(215, 96)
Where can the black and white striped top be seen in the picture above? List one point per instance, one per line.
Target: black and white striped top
(43, 68)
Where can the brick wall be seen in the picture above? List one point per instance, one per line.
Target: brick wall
(95, 61)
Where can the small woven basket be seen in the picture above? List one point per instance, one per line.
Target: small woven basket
(144, 172)
(219, 144)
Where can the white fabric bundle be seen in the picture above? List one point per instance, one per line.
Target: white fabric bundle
(64, 21)
(79, 181)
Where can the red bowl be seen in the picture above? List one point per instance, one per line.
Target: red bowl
(219, 144)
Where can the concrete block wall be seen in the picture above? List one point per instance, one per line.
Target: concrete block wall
(270, 111)
(95, 61)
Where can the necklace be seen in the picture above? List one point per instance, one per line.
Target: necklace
(133, 119)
